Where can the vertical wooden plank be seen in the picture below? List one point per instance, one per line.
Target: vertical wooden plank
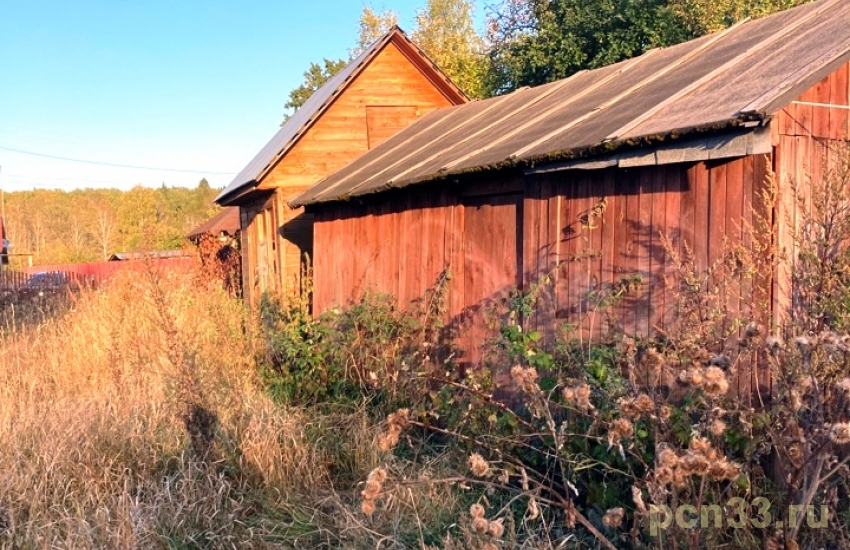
(748, 305)
(734, 213)
(820, 93)
(390, 259)
(702, 209)
(597, 280)
(534, 251)
(628, 245)
(247, 259)
(608, 235)
(803, 176)
(550, 224)
(805, 113)
(717, 213)
(763, 286)
(787, 120)
(673, 222)
(642, 247)
(786, 155)
(585, 251)
(456, 296)
(839, 95)
(734, 217)
(404, 240)
(658, 195)
(565, 240)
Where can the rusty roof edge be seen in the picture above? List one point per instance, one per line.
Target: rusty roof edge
(599, 149)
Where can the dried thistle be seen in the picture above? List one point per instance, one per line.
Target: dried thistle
(717, 427)
(480, 525)
(840, 433)
(636, 407)
(374, 485)
(496, 528)
(396, 423)
(478, 465)
(579, 397)
(613, 517)
(620, 428)
(525, 379)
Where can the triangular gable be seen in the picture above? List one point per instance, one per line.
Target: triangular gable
(307, 115)
(737, 77)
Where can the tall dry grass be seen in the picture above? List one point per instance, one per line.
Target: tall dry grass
(135, 420)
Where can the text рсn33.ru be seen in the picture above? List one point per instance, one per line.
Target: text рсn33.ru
(737, 513)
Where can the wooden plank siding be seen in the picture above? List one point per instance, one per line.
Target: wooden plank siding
(502, 240)
(398, 241)
(389, 94)
(803, 135)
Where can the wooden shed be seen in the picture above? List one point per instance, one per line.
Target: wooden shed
(676, 142)
(390, 85)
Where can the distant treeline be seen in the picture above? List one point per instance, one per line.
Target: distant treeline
(91, 224)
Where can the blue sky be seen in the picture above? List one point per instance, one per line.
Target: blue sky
(184, 85)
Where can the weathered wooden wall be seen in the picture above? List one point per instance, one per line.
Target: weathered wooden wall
(504, 230)
(498, 235)
(389, 94)
(254, 218)
(805, 134)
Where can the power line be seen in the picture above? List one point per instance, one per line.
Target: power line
(185, 171)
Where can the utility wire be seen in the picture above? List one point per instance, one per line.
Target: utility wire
(117, 165)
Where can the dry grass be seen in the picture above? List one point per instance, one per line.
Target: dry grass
(135, 420)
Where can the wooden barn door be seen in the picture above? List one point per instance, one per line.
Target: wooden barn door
(492, 249)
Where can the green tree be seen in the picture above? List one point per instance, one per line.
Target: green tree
(373, 25)
(139, 216)
(445, 30)
(538, 41)
(314, 78)
(701, 17)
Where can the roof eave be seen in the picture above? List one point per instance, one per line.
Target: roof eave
(555, 156)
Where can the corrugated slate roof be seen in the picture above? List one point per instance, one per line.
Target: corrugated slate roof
(226, 221)
(742, 74)
(318, 102)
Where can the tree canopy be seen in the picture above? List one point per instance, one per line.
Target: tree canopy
(537, 41)
(314, 78)
(91, 224)
(445, 30)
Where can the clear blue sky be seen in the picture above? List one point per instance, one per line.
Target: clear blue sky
(154, 83)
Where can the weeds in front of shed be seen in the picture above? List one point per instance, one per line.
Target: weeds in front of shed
(736, 421)
(158, 413)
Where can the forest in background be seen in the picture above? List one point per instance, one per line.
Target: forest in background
(86, 225)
